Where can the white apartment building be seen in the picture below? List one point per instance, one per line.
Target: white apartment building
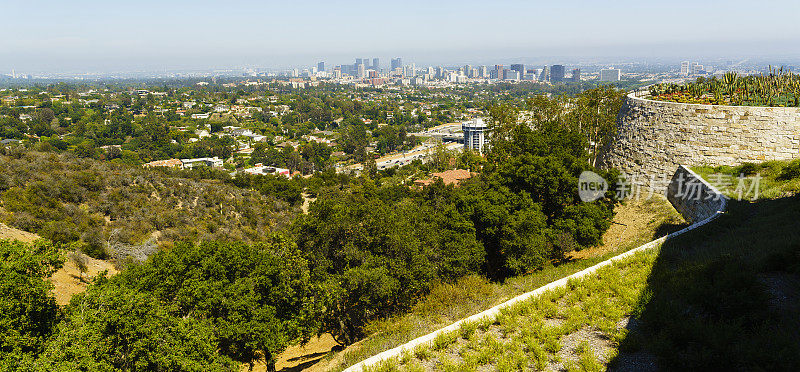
(475, 132)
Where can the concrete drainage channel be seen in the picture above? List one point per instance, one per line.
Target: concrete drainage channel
(698, 202)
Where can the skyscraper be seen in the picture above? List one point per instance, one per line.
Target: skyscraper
(686, 68)
(545, 75)
(520, 68)
(512, 75)
(397, 63)
(410, 70)
(557, 73)
(321, 66)
(498, 72)
(361, 71)
(376, 64)
(576, 75)
(610, 74)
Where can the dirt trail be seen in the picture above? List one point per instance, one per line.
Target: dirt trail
(302, 358)
(14, 234)
(307, 200)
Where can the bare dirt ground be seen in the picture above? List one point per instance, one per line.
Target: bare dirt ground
(67, 280)
(307, 200)
(14, 234)
(302, 358)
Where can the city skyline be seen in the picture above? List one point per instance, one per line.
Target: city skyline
(202, 35)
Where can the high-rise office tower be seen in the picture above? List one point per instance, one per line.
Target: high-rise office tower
(376, 64)
(359, 61)
(468, 70)
(557, 73)
(498, 72)
(610, 74)
(484, 71)
(686, 68)
(410, 70)
(512, 75)
(518, 67)
(321, 66)
(576, 75)
(545, 75)
(361, 71)
(397, 63)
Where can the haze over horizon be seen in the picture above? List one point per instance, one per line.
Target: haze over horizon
(95, 36)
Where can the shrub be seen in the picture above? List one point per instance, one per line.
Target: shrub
(791, 171)
(747, 169)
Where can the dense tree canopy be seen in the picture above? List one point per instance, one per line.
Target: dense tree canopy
(375, 251)
(257, 299)
(28, 311)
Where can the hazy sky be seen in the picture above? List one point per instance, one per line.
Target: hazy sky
(91, 35)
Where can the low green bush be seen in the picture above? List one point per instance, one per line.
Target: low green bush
(791, 171)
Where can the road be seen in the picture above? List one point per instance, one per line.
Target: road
(420, 152)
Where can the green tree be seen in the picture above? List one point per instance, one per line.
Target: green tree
(354, 141)
(375, 255)
(257, 298)
(28, 310)
(116, 328)
(595, 113)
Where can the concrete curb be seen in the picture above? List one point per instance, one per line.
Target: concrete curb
(494, 311)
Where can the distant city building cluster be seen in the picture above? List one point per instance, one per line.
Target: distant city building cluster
(689, 68)
(371, 73)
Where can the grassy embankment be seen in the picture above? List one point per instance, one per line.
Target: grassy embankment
(723, 297)
(636, 223)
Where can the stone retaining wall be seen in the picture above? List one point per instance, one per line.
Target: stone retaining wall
(693, 197)
(654, 137)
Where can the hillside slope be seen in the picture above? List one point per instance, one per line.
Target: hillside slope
(96, 205)
(67, 280)
(725, 296)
